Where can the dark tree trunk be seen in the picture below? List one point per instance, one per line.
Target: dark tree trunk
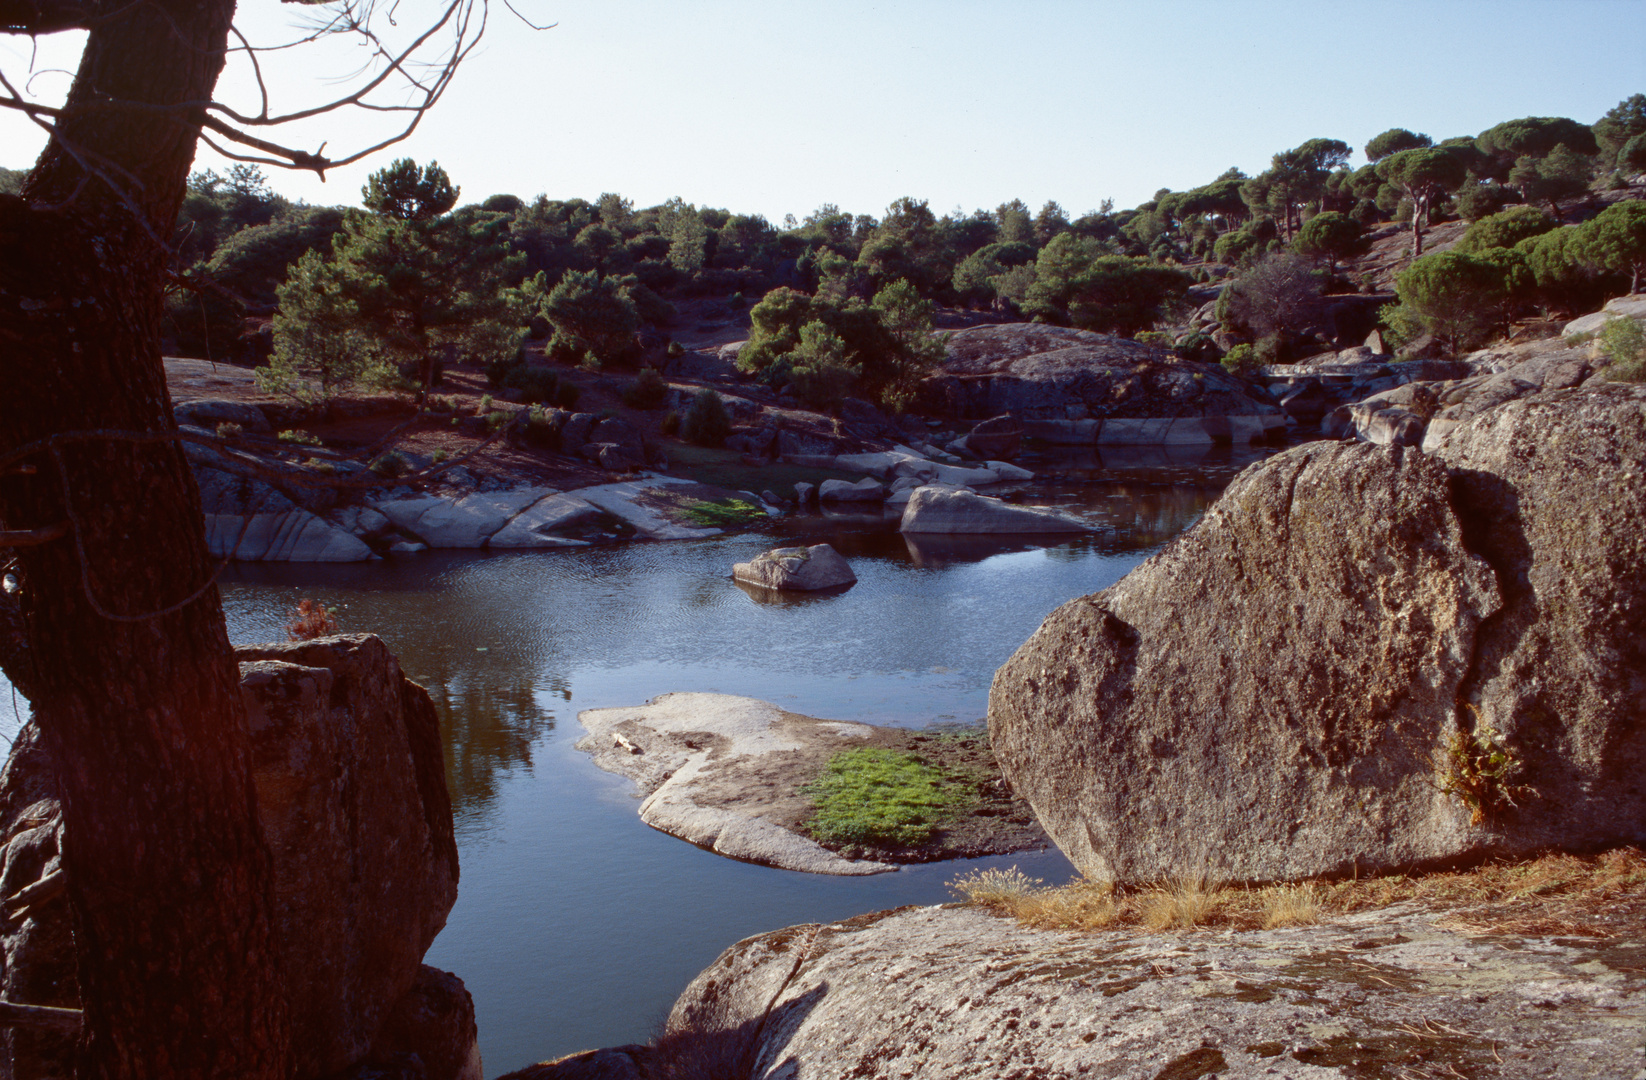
(169, 877)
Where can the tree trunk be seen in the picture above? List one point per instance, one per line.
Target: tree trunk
(180, 972)
(1420, 210)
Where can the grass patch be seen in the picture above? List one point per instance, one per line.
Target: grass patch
(1575, 895)
(889, 797)
(724, 514)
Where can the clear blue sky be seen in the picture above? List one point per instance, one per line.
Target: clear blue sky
(777, 107)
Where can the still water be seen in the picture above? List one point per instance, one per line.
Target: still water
(576, 925)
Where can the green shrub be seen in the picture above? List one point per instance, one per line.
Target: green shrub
(538, 385)
(498, 370)
(1156, 338)
(876, 796)
(229, 430)
(671, 423)
(675, 350)
(1241, 360)
(439, 456)
(1624, 343)
(390, 465)
(648, 390)
(300, 438)
(706, 422)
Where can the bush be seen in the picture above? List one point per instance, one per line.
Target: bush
(538, 385)
(675, 350)
(309, 620)
(1624, 344)
(671, 423)
(301, 438)
(1505, 229)
(390, 465)
(648, 390)
(706, 422)
(499, 369)
(1241, 360)
(1461, 297)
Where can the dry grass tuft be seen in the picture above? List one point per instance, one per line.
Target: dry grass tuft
(1183, 903)
(1566, 895)
(1290, 905)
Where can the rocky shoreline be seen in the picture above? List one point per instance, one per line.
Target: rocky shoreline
(729, 774)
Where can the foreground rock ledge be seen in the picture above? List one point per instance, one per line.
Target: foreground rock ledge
(940, 993)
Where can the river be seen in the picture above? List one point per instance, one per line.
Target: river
(576, 925)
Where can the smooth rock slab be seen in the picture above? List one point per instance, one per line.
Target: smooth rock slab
(535, 526)
(865, 490)
(291, 536)
(464, 523)
(705, 765)
(943, 994)
(619, 500)
(937, 509)
(802, 568)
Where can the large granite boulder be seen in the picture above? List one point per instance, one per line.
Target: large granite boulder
(1551, 490)
(949, 993)
(351, 792)
(941, 509)
(1262, 698)
(805, 569)
(1080, 388)
(1309, 680)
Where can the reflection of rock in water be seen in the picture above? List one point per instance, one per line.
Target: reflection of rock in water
(934, 551)
(782, 598)
(488, 729)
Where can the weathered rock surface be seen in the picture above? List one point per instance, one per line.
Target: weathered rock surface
(1076, 387)
(1274, 694)
(939, 509)
(209, 412)
(1518, 371)
(939, 993)
(1552, 492)
(1632, 306)
(431, 1033)
(1262, 699)
(352, 797)
(996, 437)
(351, 790)
(716, 770)
(804, 569)
(865, 490)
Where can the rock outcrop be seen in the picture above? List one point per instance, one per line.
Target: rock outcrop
(1075, 387)
(943, 994)
(720, 771)
(1551, 490)
(803, 569)
(1299, 684)
(939, 509)
(351, 791)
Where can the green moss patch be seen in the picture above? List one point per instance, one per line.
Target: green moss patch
(876, 796)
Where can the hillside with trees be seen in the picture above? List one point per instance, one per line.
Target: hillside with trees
(839, 302)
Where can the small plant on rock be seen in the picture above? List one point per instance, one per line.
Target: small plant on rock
(1624, 343)
(1480, 769)
(299, 437)
(728, 514)
(311, 619)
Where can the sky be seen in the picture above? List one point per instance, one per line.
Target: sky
(777, 107)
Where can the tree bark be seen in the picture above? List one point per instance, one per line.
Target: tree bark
(180, 972)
